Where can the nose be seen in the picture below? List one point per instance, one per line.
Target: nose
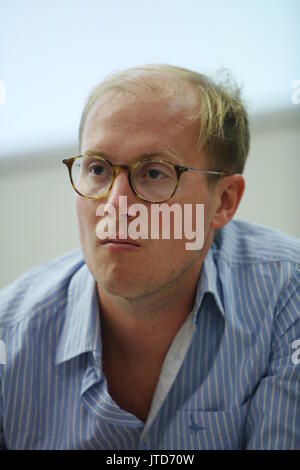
(121, 187)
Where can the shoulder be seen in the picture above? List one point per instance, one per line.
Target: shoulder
(42, 286)
(260, 265)
(243, 243)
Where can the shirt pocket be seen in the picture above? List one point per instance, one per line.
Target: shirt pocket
(211, 430)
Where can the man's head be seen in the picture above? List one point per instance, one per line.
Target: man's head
(222, 120)
(184, 118)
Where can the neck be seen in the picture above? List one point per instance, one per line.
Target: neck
(145, 326)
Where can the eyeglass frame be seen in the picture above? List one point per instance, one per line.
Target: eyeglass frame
(179, 170)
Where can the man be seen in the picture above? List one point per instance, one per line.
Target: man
(140, 343)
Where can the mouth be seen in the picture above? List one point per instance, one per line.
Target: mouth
(115, 241)
(120, 244)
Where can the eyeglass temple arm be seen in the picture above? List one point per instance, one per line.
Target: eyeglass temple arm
(211, 172)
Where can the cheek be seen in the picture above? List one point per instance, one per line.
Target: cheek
(194, 205)
(86, 216)
(171, 255)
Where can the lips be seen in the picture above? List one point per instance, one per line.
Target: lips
(118, 241)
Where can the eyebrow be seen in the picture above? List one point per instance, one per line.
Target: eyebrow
(144, 156)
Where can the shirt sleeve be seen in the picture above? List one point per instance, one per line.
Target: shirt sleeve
(273, 419)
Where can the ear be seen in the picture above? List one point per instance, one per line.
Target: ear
(228, 194)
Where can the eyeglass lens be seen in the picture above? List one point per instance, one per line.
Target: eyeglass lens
(153, 181)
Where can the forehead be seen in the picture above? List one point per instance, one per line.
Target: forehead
(157, 113)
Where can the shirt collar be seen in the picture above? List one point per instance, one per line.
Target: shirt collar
(208, 282)
(81, 328)
(82, 331)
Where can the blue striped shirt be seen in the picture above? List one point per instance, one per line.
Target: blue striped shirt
(235, 384)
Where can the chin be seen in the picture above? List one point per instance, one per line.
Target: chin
(119, 288)
(116, 279)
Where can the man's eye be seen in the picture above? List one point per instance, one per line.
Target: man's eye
(97, 170)
(154, 174)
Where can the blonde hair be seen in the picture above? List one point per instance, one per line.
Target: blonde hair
(222, 117)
